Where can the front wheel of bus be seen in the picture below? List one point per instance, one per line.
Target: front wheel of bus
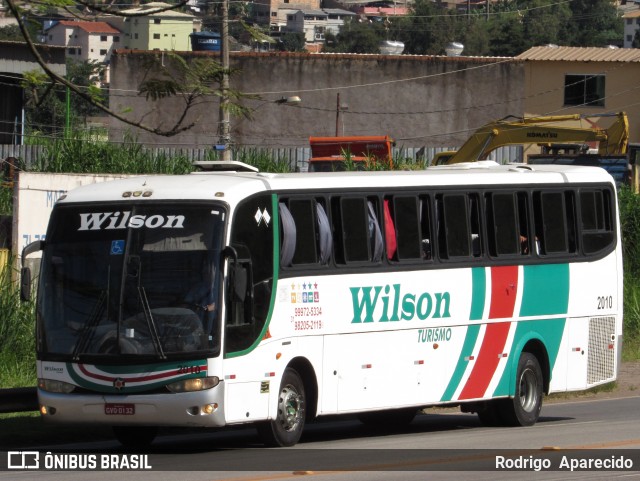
(524, 408)
(135, 436)
(287, 428)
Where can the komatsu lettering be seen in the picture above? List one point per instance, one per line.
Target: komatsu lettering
(123, 220)
(387, 303)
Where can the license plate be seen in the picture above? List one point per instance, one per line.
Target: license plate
(120, 409)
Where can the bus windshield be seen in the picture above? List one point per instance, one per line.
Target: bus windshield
(131, 281)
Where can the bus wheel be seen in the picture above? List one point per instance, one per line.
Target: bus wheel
(524, 408)
(490, 413)
(287, 428)
(135, 436)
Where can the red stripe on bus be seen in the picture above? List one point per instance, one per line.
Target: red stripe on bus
(495, 338)
(504, 286)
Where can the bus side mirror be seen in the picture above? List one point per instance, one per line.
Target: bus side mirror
(25, 284)
(238, 274)
(25, 272)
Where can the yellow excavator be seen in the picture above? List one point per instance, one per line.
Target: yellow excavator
(540, 130)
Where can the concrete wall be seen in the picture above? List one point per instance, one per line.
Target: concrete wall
(417, 100)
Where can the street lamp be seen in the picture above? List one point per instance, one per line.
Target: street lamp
(339, 107)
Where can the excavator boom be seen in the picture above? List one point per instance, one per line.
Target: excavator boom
(535, 130)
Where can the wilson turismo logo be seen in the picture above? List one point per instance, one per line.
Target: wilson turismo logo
(123, 220)
(388, 304)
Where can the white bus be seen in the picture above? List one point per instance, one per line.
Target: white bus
(215, 299)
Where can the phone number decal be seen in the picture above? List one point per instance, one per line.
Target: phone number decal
(308, 311)
(307, 325)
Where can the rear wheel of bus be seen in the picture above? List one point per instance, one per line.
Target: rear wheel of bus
(524, 408)
(287, 428)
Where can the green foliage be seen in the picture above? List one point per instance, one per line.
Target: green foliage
(83, 152)
(12, 33)
(17, 334)
(6, 200)
(292, 42)
(358, 37)
(509, 28)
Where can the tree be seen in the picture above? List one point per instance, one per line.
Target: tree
(11, 32)
(46, 104)
(292, 42)
(356, 37)
(189, 81)
(594, 23)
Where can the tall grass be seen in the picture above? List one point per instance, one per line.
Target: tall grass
(84, 152)
(629, 204)
(17, 334)
(6, 200)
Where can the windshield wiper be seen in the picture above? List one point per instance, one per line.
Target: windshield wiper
(150, 322)
(89, 327)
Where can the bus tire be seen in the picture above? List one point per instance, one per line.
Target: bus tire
(135, 436)
(490, 413)
(287, 428)
(524, 408)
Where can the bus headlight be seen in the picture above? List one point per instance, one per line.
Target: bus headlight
(191, 385)
(50, 385)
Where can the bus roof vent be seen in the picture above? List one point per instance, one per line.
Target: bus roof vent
(521, 168)
(223, 166)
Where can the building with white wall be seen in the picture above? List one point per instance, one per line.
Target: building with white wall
(84, 41)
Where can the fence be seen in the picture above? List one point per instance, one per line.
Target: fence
(297, 157)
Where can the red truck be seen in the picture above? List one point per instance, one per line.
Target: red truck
(332, 153)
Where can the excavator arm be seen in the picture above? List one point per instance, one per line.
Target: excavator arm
(536, 130)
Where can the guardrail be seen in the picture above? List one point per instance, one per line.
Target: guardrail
(16, 400)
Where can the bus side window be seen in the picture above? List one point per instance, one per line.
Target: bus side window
(554, 220)
(474, 222)
(303, 212)
(375, 234)
(351, 226)
(425, 228)
(502, 228)
(325, 236)
(454, 239)
(596, 220)
(390, 231)
(289, 235)
(407, 223)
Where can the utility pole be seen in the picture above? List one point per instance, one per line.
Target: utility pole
(225, 121)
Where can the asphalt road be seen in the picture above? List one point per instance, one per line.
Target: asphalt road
(442, 445)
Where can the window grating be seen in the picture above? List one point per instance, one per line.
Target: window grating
(601, 361)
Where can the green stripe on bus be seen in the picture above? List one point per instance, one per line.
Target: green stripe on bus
(547, 331)
(478, 292)
(461, 366)
(276, 272)
(546, 290)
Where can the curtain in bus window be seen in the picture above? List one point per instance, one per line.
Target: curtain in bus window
(324, 233)
(302, 211)
(288, 246)
(375, 234)
(390, 231)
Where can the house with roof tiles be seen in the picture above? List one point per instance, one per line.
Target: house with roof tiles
(631, 26)
(84, 41)
(151, 28)
(583, 80)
